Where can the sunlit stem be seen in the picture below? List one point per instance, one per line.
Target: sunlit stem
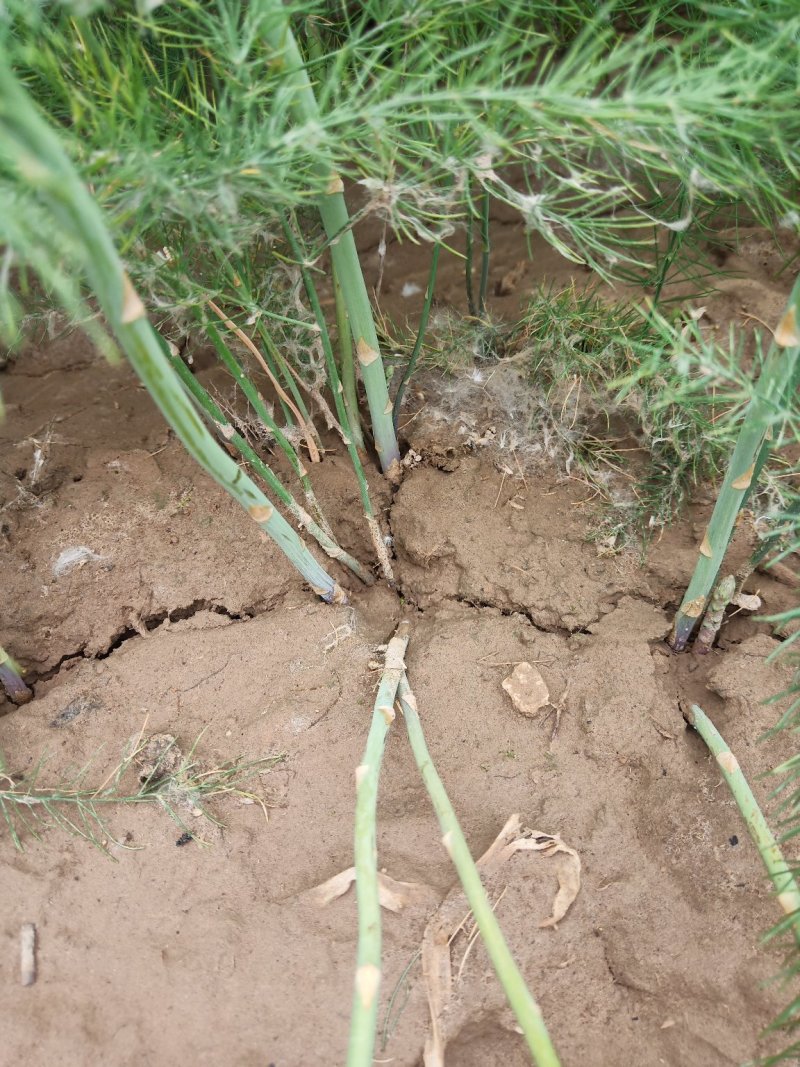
(338, 399)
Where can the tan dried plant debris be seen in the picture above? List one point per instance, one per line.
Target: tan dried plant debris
(393, 895)
(527, 689)
(451, 918)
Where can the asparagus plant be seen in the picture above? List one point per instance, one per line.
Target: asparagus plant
(39, 161)
(346, 265)
(368, 968)
(230, 435)
(526, 1010)
(762, 421)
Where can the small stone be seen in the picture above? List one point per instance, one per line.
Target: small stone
(527, 689)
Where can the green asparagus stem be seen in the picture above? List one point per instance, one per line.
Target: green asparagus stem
(525, 1008)
(764, 411)
(485, 249)
(777, 868)
(423, 326)
(36, 153)
(368, 972)
(229, 434)
(11, 680)
(336, 220)
(468, 263)
(348, 366)
(341, 410)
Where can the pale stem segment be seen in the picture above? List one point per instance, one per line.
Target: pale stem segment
(525, 1008)
(346, 265)
(36, 152)
(763, 413)
(778, 870)
(361, 1048)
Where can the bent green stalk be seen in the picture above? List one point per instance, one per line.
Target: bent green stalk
(751, 447)
(36, 153)
(336, 221)
(363, 1024)
(229, 434)
(338, 398)
(777, 868)
(525, 1008)
(11, 680)
(423, 326)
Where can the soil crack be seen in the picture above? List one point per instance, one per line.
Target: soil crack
(146, 625)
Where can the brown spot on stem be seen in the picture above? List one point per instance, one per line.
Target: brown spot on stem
(261, 513)
(361, 773)
(366, 354)
(389, 407)
(447, 841)
(705, 547)
(728, 762)
(336, 185)
(694, 609)
(132, 306)
(787, 334)
(368, 979)
(744, 480)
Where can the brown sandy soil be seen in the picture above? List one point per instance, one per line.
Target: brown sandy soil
(184, 619)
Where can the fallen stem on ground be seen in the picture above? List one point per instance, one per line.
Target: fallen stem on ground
(778, 870)
(525, 1008)
(361, 1048)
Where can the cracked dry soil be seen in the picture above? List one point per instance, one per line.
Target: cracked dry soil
(188, 620)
